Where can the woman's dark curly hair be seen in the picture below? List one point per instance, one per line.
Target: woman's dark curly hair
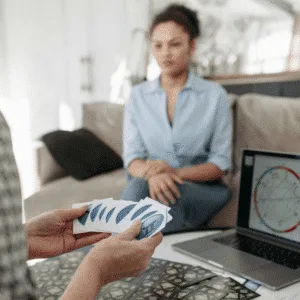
(180, 15)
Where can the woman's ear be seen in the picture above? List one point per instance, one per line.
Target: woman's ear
(193, 45)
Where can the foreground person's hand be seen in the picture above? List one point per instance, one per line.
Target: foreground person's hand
(114, 258)
(163, 187)
(51, 233)
(122, 255)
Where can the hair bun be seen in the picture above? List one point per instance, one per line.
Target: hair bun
(181, 15)
(189, 13)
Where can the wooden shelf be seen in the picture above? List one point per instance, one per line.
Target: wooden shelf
(258, 78)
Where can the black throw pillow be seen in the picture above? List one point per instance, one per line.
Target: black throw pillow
(80, 153)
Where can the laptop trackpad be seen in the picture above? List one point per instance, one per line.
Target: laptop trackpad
(232, 259)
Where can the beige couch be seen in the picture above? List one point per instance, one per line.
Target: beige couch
(261, 122)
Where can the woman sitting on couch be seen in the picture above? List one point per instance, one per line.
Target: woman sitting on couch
(178, 129)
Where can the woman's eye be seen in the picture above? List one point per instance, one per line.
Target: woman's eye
(157, 46)
(175, 44)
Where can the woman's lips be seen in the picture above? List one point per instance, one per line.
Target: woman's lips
(167, 63)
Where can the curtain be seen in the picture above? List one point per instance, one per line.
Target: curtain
(294, 57)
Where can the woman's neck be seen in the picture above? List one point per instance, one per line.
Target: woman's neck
(174, 82)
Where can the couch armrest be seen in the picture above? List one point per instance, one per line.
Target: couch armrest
(47, 169)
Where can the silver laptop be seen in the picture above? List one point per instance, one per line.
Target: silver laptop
(265, 245)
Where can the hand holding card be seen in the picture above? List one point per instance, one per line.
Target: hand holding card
(114, 216)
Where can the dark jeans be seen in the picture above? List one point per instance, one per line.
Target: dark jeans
(197, 204)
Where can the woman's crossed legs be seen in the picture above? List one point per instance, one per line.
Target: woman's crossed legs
(197, 204)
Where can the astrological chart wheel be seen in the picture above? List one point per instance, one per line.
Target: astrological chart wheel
(277, 199)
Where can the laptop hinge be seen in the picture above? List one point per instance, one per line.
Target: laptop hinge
(269, 239)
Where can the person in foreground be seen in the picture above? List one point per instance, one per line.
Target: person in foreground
(177, 129)
(51, 234)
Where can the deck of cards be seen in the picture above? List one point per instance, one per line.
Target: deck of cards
(114, 216)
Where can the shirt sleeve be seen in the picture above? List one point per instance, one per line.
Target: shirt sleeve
(133, 145)
(15, 280)
(221, 142)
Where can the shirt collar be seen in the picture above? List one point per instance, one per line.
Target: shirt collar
(155, 86)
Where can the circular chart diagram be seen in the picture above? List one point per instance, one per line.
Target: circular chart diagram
(277, 199)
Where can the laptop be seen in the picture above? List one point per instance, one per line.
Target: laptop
(265, 245)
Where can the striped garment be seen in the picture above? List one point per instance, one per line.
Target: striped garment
(15, 281)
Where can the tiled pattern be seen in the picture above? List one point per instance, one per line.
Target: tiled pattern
(161, 280)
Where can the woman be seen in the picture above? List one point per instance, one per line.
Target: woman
(51, 233)
(178, 129)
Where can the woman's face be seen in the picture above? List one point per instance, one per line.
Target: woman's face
(172, 47)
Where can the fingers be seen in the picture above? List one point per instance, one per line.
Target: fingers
(152, 192)
(163, 188)
(177, 179)
(151, 243)
(163, 199)
(156, 167)
(73, 213)
(132, 232)
(89, 238)
(157, 194)
(153, 170)
(173, 188)
(156, 239)
(167, 191)
(170, 196)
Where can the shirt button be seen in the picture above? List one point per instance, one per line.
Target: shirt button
(177, 146)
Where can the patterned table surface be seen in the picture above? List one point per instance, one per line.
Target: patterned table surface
(64, 267)
(165, 251)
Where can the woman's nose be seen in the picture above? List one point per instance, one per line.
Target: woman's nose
(166, 53)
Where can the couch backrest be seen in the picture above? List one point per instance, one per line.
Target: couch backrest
(105, 120)
(260, 122)
(266, 122)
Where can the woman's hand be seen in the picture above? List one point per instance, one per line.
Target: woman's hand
(155, 167)
(163, 187)
(122, 255)
(51, 233)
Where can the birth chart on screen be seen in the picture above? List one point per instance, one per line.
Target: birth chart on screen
(275, 199)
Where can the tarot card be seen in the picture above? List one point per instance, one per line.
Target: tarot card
(114, 216)
(153, 217)
(234, 289)
(138, 211)
(79, 225)
(146, 208)
(159, 205)
(83, 223)
(108, 216)
(152, 225)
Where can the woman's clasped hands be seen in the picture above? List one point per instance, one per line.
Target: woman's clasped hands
(162, 180)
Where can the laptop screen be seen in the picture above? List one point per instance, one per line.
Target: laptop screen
(273, 188)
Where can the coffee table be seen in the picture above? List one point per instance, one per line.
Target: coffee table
(165, 251)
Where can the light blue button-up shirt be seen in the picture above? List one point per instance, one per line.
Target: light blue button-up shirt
(201, 130)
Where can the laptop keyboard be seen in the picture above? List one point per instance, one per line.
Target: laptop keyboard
(279, 255)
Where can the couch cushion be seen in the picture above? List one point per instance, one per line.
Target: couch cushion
(105, 120)
(268, 123)
(64, 192)
(46, 167)
(81, 153)
(227, 216)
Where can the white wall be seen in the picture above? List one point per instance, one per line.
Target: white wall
(40, 37)
(3, 69)
(40, 64)
(35, 60)
(97, 29)
(34, 75)
(108, 42)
